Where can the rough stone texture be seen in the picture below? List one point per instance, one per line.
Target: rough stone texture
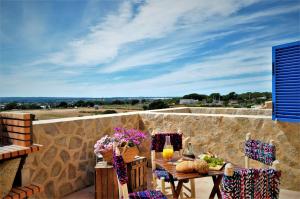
(56, 169)
(222, 134)
(75, 143)
(49, 190)
(64, 155)
(204, 110)
(65, 189)
(72, 171)
(49, 155)
(40, 177)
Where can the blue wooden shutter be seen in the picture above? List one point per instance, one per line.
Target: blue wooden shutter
(286, 82)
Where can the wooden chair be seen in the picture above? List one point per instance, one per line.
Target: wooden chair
(120, 167)
(162, 175)
(250, 182)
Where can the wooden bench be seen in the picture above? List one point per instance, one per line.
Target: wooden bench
(16, 142)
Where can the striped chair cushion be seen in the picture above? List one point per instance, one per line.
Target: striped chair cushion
(161, 173)
(120, 167)
(260, 151)
(252, 184)
(148, 194)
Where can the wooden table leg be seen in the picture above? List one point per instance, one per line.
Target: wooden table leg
(216, 189)
(175, 190)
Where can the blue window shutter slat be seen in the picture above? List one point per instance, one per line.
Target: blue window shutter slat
(286, 82)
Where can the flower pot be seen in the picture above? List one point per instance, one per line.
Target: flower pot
(129, 153)
(108, 156)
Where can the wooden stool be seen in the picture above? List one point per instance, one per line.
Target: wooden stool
(106, 184)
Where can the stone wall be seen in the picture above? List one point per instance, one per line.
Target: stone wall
(66, 162)
(224, 135)
(207, 110)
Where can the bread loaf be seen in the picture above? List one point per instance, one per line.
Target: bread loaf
(185, 166)
(201, 166)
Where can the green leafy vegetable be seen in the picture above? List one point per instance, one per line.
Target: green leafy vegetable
(213, 162)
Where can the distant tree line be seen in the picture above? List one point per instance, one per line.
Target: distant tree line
(65, 104)
(244, 99)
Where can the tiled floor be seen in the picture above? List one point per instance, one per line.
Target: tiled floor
(203, 187)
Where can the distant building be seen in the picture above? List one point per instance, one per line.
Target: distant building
(233, 102)
(96, 107)
(262, 98)
(2, 107)
(217, 102)
(188, 101)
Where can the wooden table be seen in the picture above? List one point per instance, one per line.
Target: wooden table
(183, 177)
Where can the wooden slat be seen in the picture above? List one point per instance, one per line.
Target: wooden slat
(104, 182)
(110, 188)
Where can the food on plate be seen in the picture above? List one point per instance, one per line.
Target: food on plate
(185, 166)
(201, 166)
(214, 162)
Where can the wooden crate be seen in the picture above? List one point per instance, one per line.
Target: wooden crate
(106, 184)
(137, 175)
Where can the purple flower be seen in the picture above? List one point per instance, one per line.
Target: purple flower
(130, 136)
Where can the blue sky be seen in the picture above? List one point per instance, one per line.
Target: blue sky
(141, 48)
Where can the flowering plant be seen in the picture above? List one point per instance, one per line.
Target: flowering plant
(104, 144)
(132, 137)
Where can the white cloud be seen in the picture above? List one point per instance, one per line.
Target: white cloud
(155, 19)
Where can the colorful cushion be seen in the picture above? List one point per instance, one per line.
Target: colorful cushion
(251, 183)
(161, 173)
(158, 141)
(120, 167)
(148, 194)
(260, 151)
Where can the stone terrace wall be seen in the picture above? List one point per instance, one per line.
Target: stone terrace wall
(207, 110)
(173, 110)
(224, 135)
(232, 111)
(66, 162)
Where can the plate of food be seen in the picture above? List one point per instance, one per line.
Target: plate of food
(215, 163)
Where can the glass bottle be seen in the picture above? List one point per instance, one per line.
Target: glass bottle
(168, 150)
(189, 152)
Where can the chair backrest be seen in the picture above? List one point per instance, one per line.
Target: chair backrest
(158, 141)
(120, 168)
(260, 151)
(250, 183)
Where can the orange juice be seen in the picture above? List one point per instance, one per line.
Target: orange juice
(168, 153)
